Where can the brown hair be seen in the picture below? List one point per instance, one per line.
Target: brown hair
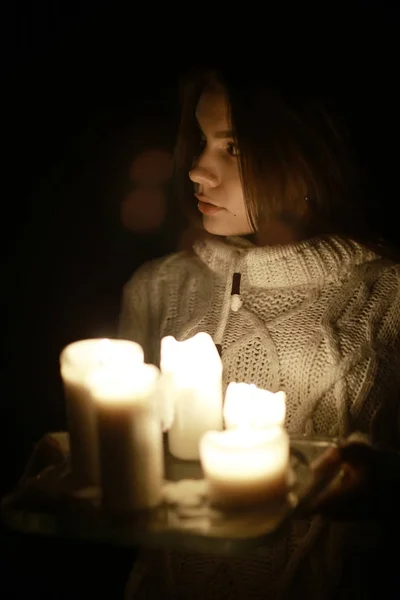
(294, 157)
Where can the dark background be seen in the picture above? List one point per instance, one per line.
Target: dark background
(75, 75)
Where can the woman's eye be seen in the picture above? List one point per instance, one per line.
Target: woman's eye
(232, 149)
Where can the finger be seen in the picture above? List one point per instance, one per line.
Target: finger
(350, 480)
(358, 454)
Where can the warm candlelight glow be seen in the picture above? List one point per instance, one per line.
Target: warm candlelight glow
(244, 467)
(121, 384)
(80, 357)
(77, 360)
(246, 405)
(194, 369)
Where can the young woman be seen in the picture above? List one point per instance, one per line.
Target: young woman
(318, 313)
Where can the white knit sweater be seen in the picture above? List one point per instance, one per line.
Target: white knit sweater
(319, 320)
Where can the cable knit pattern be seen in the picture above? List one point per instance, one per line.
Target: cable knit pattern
(319, 320)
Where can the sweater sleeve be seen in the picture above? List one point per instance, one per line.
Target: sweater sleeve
(365, 393)
(139, 316)
(374, 382)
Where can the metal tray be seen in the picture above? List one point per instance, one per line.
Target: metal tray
(47, 503)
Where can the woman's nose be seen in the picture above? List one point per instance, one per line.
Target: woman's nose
(203, 176)
(203, 171)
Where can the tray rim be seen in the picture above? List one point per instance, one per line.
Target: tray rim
(97, 528)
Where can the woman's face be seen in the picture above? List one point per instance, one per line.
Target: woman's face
(216, 173)
(144, 207)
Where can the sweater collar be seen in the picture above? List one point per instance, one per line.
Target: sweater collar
(311, 262)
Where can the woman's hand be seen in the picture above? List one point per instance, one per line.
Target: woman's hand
(367, 486)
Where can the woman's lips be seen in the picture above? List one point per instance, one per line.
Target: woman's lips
(206, 207)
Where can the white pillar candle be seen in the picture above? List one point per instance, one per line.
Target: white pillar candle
(246, 405)
(245, 467)
(129, 436)
(77, 360)
(194, 369)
